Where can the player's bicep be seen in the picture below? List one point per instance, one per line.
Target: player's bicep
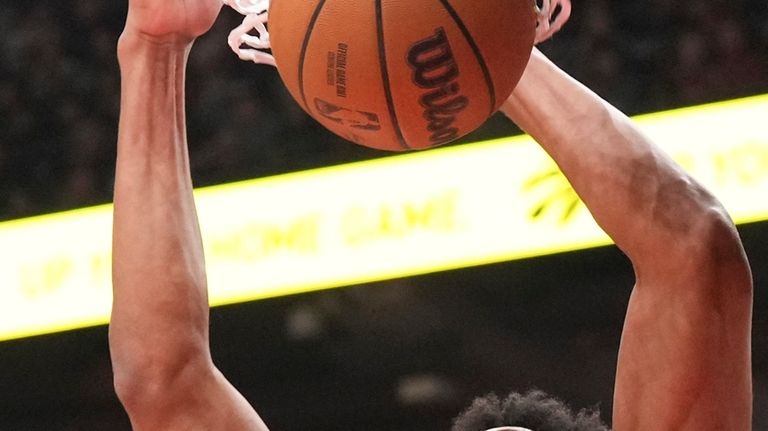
(684, 361)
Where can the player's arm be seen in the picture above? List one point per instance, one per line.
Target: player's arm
(684, 361)
(164, 374)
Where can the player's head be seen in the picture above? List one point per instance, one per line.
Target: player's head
(532, 411)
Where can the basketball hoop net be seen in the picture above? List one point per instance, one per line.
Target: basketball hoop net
(256, 16)
(551, 15)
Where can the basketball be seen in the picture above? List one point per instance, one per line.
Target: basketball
(401, 75)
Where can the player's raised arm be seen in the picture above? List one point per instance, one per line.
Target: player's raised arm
(164, 374)
(684, 361)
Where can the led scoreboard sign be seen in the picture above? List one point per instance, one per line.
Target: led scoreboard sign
(393, 217)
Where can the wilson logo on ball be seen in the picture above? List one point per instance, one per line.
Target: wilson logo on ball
(435, 69)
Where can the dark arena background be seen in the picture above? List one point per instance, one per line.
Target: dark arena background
(402, 354)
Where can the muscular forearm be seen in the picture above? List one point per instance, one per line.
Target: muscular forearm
(160, 310)
(638, 195)
(164, 375)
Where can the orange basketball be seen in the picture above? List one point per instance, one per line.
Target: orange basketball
(401, 74)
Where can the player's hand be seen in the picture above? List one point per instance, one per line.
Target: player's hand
(171, 21)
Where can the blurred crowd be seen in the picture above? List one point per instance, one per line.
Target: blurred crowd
(59, 90)
(59, 102)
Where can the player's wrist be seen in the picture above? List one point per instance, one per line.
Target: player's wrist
(134, 42)
(135, 46)
(537, 85)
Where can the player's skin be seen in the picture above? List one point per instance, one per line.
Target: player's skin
(684, 360)
(164, 375)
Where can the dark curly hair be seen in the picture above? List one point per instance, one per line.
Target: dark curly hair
(534, 410)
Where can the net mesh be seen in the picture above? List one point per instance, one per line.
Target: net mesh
(247, 45)
(551, 15)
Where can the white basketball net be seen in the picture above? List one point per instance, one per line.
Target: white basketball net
(550, 17)
(256, 16)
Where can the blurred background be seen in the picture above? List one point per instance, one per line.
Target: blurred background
(397, 355)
